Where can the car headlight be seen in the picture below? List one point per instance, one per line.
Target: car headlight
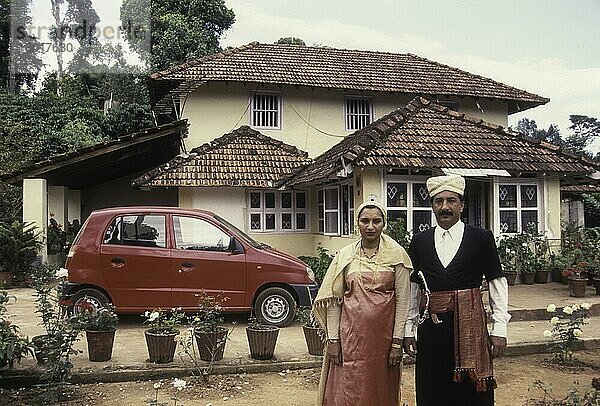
(311, 274)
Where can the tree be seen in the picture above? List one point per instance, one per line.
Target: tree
(585, 129)
(290, 40)
(181, 30)
(530, 128)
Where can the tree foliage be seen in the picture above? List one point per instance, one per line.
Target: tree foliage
(180, 30)
(290, 40)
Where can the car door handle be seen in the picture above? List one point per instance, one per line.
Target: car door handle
(188, 264)
(117, 262)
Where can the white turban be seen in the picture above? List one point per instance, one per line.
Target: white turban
(451, 183)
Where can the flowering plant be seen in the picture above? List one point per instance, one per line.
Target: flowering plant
(576, 271)
(209, 317)
(103, 319)
(162, 321)
(566, 329)
(13, 346)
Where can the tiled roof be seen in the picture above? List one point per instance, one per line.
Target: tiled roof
(581, 189)
(426, 135)
(325, 67)
(242, 158)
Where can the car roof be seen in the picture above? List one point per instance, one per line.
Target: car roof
(153, 209)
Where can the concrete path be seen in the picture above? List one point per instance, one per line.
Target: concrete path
(526, 303)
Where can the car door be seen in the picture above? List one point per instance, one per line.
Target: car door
(136, 262)
(202, 260)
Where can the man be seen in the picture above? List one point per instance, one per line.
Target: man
(453, 349)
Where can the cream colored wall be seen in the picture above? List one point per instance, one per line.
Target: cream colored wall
(74, 205)
(58, 203)
(552, 206)
(35, 208)
(215, 109)
(229, 203)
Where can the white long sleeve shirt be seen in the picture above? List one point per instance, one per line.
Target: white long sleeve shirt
(446, 247)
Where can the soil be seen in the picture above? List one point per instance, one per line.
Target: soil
(515, 376)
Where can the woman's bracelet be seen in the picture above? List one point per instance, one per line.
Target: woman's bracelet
(395, 345)
(333, 340)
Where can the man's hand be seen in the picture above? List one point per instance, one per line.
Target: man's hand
(334, 349)
(498, 345)
(410, 346)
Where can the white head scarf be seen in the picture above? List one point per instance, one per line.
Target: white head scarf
(373, 203)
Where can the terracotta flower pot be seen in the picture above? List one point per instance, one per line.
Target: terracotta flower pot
(556, 274)
(161, 347)
(511, 277)
(528, 278)
(262, 341)
(541, 276)
(577, 287)
(41, 348)
(100, 345)
(211, 344)
(314, 342)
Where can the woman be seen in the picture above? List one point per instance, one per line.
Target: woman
(362, 306)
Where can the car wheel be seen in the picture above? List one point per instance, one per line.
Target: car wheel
(275, 306)
(90, 299)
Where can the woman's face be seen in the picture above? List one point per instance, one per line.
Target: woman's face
(370, 223)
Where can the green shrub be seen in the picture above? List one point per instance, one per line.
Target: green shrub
(19, 245)
(318, 264)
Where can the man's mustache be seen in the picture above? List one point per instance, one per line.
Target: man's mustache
(446, 212)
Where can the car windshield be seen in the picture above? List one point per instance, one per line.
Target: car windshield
(241, 234)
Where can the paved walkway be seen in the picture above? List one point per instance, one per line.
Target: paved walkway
(526, 303)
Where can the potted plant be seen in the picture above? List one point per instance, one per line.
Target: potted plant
(313, 334)
(507, 252)
(19, 246)
(13, 346)
(163, 327)
(209, 333)
(100, 326)
(541, 251)
(577, 278)
(261, 339)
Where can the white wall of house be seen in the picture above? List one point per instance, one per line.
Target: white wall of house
(58, 204)
(35, 207)
(215, 109)
(227, 202)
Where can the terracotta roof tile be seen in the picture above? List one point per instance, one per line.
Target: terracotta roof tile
(242, 158)
(434, 137)
(300, 65)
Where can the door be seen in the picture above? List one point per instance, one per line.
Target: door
(201, 260)
(136, 262)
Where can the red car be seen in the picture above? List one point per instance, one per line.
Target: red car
(142, 258)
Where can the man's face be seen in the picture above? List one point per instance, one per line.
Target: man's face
(370, 223)
(447, 208)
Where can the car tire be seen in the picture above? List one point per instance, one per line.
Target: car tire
(275, 306)
(92, 297)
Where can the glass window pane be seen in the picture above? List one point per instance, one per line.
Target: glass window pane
(420, 196)
(321, 225)
(255, 200)
(286, 200)
(300, 200)
(270, 200)
(196, 234)
(528, 196)
(144, 231)
(255, 221)
(508, 221)
(113, 232)
(331, 223)
(421, 220)
(286, 221)
(507, 195)
(529, 220)
(396, 195)
(331, 199)
(270, 221)
(320, 196)
(351, 197)
(301, 221)
(397, 214)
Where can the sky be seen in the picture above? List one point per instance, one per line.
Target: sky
(547, 47)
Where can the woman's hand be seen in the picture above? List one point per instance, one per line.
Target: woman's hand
(395, 358)
(334, 349)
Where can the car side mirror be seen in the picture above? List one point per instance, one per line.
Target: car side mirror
(235, 247)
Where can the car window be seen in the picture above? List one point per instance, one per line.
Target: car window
(192, 233)
(139, 230)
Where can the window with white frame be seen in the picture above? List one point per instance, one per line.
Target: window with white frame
(265, 111)
(336, 209)
(358, 112)
(277, 211)
(409, 201)
(519, 205)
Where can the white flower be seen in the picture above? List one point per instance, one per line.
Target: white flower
(547, 333)
(62, 273)
(568, 310)
(577, 332)
(524, 244)
(551, 308)
(153, 316)
(586, 305)
(575, 307)
(157, 385)
(179, 384)
(554, 320)
(508, 250)
(146, 313)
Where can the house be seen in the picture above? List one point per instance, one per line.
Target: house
(289, 139)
